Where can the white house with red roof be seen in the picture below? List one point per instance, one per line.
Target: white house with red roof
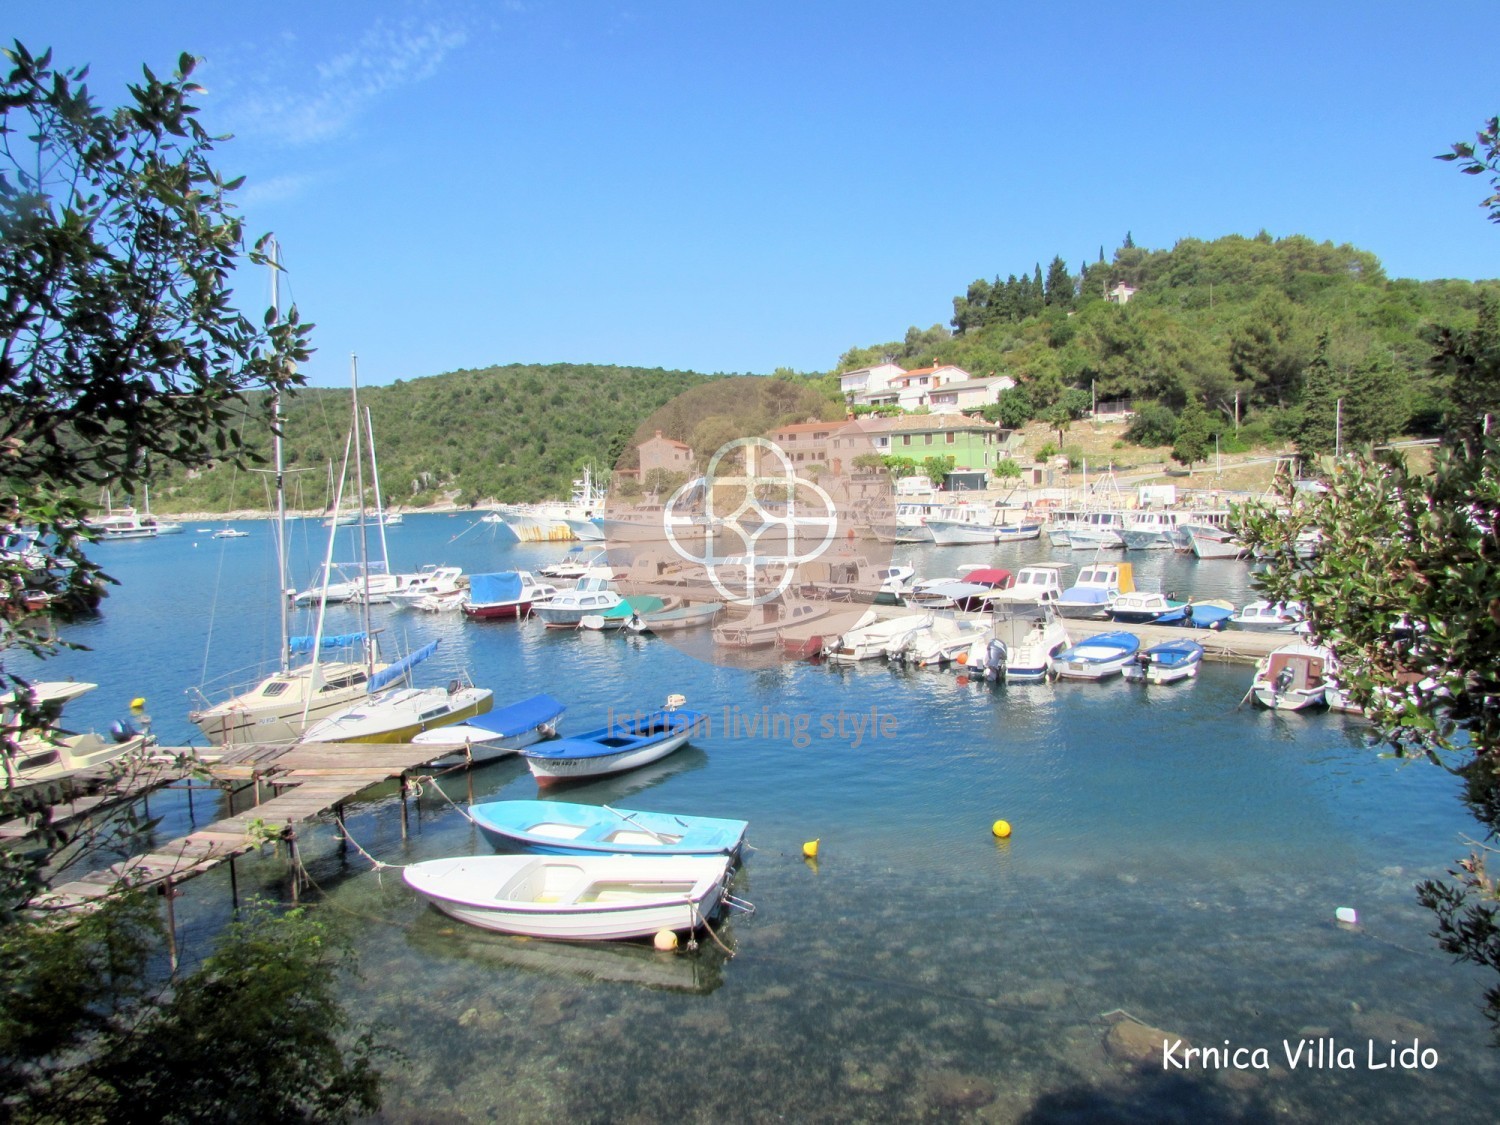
(869, 380)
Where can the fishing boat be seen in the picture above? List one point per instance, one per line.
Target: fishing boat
(577, 898)
(1021, 644)
(1141, 607)
(1151, 530)
(564, 828)
(765, 622)
(1034, 584)
(973, 523)
(908, 524)
(1214, 543)
(679, 617)
(626, 742)
(1293, 678)
(1096, 658)
(1270, 617)
(1095, 591)
(874, 638)
(854, 580)
(46, 755)
(507, 593)
(567, 608)
(1166, 663)
(497, 733)
(399, 714)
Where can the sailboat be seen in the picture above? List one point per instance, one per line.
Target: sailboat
(282, 705)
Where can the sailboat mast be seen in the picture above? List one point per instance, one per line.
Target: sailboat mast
(276, 445)
(385, 554)
(359, 480)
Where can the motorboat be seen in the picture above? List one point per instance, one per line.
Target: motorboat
(567, 608)
(1271, 617)
(854, 579)
(1021, 644)
(572, 565)
(578, 898)
(967, 592)
(873, 639)
(1166, 663)
(1214, 543)
(1142, 607)
(633, 608)
(625, 742)
(1293, 678)
(1096, 589)
(508, 593)
(497, 733)
(52, 753)
(908, 524)
(1096, 658)
(973, 523)
(1034, 584)
(941, 640)
(1210, 614)
(810, 640)
(763, 625)
(398, 714)
(564, 828)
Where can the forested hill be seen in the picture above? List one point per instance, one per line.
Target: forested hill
(1279, 330)
(518, 432)
(1285, 327)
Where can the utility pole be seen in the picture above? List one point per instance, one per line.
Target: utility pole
(1236, 412)
(1338, 428)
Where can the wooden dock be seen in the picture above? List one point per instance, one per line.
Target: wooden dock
(305, 781)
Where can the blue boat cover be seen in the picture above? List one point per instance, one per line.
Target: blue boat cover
(401, 667)
(639, 604)
(299, 645)
(488, 589)
(520, 717)
(632, 734)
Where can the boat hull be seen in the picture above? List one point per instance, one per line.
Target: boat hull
(561, 828)
(551, 771)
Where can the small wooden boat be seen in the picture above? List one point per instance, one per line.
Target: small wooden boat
(680, 617)
(627, 742)
(1293, 678)
(498, 733)
(1166, 663)
(1096, 658)
(576, 898)
(564, 828)
(765, 623)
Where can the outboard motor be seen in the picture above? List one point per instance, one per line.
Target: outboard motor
(995, 655)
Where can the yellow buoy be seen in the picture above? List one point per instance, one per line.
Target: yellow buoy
(137, 704)
(1001, 828)
(666, 940)
(810, 849)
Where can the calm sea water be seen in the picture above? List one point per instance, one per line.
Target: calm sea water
(1175, 857)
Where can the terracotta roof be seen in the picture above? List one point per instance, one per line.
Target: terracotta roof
(807, 427)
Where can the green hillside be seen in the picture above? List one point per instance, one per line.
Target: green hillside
(1273, 334)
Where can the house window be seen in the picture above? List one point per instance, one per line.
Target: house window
(951, 437)
(882, 441)
(906, 439)
(926, 439)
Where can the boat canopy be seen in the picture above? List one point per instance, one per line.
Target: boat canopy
(994, 577)
(488, 589)
(393, 673)
(521, 717)
(299, 645)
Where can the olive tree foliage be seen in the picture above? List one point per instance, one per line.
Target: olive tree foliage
(1408, 598)
(120, 346)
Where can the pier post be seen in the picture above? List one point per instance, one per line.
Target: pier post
(291, 842)
(168, 893)
(234, 885)
(338, 817)
(403, 805)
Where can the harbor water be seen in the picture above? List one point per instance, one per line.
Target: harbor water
(1177, 859)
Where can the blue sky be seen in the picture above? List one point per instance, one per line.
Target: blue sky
(741, 187)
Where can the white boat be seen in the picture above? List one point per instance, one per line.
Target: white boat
(1293, 678)
(1020, 646)
(401, 713)
(872, 640)
(1215, 543)
(677, 618)
(506, 731)
(1166, 663)
(908, 524)
(1098, 530)
(229, 533)
(574, 565)
(1270, 617)
(1141, 607)
(1034, 584)
(578, 898)
(508, 593)
(1096, 589)
(968, 591)
(430, 581)
(847, 578)
(567, 608)
(940, 641)
(1151, 530)
(120, 523)
(1096, 658)
(56, 753)
(760, 628)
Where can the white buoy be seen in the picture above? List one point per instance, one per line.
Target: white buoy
(1347, 915)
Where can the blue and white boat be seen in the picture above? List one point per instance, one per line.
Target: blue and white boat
(627, 742)
(564, 828)
(1198, 615)
(1097, 658)
(1166, 663)
(506, 731)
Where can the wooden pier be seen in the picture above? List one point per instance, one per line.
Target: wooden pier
(305, 781)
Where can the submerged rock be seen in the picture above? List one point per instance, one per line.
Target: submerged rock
(1138, 1043)
(951, 1089)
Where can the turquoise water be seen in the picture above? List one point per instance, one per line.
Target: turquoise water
(1174, 856)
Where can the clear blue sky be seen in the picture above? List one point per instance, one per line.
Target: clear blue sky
(746, 186)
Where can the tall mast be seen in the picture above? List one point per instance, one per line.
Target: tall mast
(359, 480)
(385, 554)
(276, 445)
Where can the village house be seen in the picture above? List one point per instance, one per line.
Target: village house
(869, 380)
(662, 453)
(973, 444)
(913, 389)
(969, 394)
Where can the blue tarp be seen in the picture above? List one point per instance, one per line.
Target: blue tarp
(299, 645)
(390, 675)
(488, 589)
(519, 717)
